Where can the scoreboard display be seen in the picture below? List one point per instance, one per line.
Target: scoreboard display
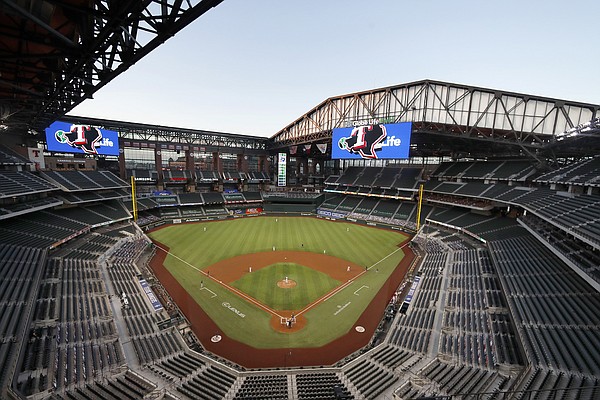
(371, 142)
(282, 169)
(64, 137)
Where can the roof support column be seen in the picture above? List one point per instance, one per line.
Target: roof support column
(158, 166)
(190, 166)
(263, 164)
(336, 167)
(122, 169)
(302, 169)
(242, 163)
(217, 162)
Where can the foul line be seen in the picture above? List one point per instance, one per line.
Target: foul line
(232, 289)
(214, 294)
(267, 309)
(389, 255)
(345, 285)
(180, 259)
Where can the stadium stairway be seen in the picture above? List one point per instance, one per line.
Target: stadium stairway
(411, 361)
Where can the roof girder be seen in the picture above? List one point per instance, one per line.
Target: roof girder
(524, 122)
(88, 46)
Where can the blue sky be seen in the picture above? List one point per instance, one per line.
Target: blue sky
(252, 67)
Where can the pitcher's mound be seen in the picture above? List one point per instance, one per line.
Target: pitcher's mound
(286, 284)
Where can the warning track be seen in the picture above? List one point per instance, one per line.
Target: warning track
(231, 269)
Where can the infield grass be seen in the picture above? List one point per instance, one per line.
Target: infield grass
(262, 285)
(376, 249)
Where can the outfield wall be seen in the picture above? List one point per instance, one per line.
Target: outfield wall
(319, 213)
(246, 356)
(289, 208)
(250, 357)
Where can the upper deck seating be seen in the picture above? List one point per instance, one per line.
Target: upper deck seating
(19, 183)
(85, 180)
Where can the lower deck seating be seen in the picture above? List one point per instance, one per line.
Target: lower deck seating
(263, 387)
(459, 313)
(212, 383)
(371, 379)
(456, 380)
(552, 306)
(74, 337)
(21, 269)
(541, 383)
(321, 386)
(129, 386)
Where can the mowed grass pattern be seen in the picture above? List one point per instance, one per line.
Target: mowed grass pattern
(225, 239)
(262, 285)
(363, 245)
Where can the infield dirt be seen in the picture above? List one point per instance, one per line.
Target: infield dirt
(234, 268)
(250, 357)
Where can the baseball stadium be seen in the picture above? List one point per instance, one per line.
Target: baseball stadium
(426, 240)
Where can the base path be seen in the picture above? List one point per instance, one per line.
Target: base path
(250, 357)
(234, 268)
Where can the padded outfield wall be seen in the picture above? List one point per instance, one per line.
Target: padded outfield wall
(204, 278)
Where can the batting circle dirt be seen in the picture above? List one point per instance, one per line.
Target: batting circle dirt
(247, 356)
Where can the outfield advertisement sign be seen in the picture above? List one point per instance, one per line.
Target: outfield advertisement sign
(151, 296)
(371, 142)
(331, 214)
(247, 310)
(64, 137)
(413, 289)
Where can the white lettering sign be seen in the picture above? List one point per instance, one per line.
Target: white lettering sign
(233, 309)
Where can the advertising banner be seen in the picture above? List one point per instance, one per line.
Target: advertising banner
(370, 142)
(64, 137)
(153, 299)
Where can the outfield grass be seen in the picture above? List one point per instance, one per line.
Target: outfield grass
(225, 239)
(262, 285)
(373, 248)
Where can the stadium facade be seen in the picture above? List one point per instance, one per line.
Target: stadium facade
(502, 301)
(500, 192)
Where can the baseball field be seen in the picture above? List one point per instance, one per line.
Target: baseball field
(252, 275)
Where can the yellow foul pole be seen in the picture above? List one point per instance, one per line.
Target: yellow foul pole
(419, 207)
(133, 199)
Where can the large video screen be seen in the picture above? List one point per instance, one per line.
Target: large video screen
(372, 142)
(65, 137)
(282, 169)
